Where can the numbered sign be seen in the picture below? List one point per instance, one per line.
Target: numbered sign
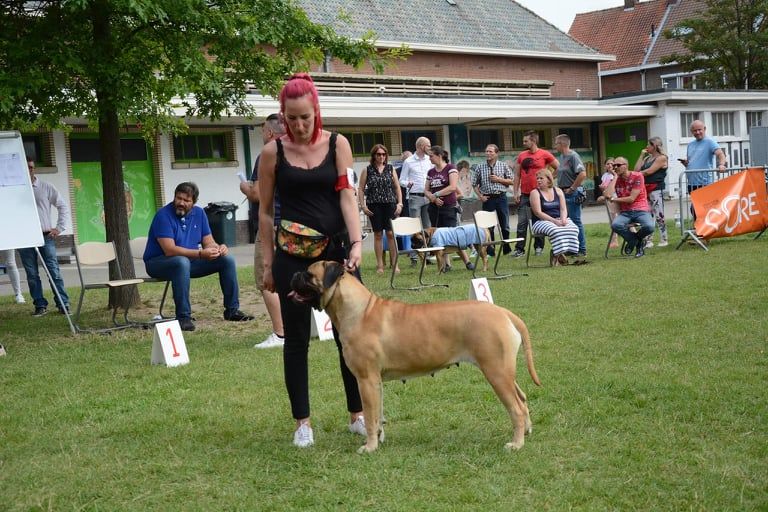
(480, 290)
(321, 325)
(168, 348)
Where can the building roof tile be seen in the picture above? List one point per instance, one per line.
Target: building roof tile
(498, 25)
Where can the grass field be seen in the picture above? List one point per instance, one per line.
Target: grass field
(654, 397)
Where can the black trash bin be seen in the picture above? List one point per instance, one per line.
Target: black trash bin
(221, 217)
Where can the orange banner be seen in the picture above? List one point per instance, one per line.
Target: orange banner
(733, 206)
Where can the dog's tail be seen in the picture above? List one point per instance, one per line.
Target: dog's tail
(523, 329)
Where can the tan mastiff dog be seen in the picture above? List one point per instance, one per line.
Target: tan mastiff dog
(387, 340)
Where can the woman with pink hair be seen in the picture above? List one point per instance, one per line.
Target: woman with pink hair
(308, 168)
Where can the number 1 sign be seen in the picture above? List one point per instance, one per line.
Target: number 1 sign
(168, 347)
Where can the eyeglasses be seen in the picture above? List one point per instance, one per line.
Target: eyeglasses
(380, 154)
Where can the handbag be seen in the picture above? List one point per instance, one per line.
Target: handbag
(300, 240)
(581, 195)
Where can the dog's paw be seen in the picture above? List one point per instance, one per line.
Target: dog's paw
(366, 449)
(513, 445)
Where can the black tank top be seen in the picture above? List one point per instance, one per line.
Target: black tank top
(308, 196)
(551, 208)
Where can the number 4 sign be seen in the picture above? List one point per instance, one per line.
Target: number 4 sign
(321, 325)
(480, 290)
(168, 348)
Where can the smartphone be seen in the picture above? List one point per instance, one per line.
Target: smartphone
(242, 177)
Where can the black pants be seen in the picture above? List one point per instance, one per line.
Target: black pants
(523, 211)
(297, 320)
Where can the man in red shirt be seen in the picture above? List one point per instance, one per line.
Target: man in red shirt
(630, 195)
(529, 162)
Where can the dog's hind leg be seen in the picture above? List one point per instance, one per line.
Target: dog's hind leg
(502, 379)
(524, 400)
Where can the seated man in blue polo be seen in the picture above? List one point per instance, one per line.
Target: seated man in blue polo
(180, 246)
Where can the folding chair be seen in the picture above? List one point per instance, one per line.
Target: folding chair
(406, 227)
(632, 225)
(690, 234)
(533, 237)
(489, 220)
(138, 245)
(100, 253)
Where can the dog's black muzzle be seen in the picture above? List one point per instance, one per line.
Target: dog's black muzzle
(304, 291)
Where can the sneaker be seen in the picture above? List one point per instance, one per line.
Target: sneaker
(186, 324)
(431, 260)
(539, 251)
(640, 251)
(663, 243)
(41, 311)
(273, 340)
(414, 262)
(473, 254)
(20, 299)
(65, 308)
(649, 244)
(518, 253)
(2, 350)
(470, 265)
(303, 436)
(358, 427)
(236, 316)
(629, 248)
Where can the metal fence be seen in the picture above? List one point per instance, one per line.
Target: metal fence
(684, 215)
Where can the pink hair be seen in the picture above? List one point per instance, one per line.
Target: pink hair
(298, 86)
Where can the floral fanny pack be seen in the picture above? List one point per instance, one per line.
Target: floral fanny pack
(300, 240)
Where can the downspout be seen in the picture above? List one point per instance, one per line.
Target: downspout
(247, 150)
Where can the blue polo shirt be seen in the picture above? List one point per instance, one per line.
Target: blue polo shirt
(187, 231)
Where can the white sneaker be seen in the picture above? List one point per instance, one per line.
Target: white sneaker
(20, 299)
(303, 436)
(539, 251)
(358, 427)
(663, 243)
(649, 244)
(273, 340)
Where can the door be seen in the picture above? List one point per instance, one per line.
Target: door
(627, 140)
(88, 191)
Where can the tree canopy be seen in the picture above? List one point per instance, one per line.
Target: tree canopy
(126, 62)
(727, 42)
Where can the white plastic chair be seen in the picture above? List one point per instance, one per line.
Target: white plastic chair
(489, 221)
(409, 226)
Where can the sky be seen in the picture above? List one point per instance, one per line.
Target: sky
(560, 13)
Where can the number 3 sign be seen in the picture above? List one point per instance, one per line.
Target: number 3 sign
(168, 348)
(480, 290)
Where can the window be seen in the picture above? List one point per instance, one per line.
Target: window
(577, 135)
(615, 135)
(480, 138)
(408, 138)
(638, 132)
(205, 147)
(89, 150)
(362, 142)
(753, 119)
(686, 118)
(33, 147)
(545, 139)
(722, 124)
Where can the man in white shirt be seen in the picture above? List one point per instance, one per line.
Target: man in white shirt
(46, 197)
(414, 178)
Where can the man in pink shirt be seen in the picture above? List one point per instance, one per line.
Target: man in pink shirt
(629, 187)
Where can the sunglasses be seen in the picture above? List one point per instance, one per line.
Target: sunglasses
(380, 154)
(618, 165)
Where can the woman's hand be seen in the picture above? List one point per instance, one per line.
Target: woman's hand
(354, 259)
(366, 210)
(438, 201)
(398, 209)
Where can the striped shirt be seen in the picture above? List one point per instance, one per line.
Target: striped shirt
(483, 177)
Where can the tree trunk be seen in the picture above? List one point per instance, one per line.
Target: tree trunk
(115, 210)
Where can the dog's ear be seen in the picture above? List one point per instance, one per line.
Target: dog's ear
(333, 271)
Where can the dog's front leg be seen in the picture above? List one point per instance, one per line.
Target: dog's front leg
(370, 392)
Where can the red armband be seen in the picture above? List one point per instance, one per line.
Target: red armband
(342, 182)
